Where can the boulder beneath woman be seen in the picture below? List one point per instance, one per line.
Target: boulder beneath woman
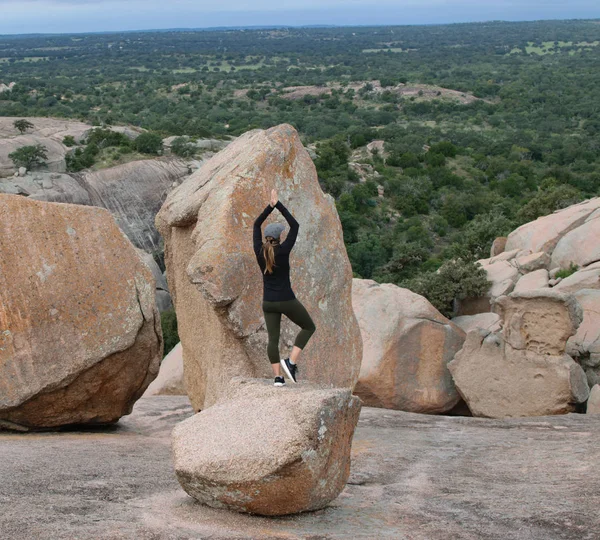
(407, 344)
(215, 281)
(523, 370)
(267, 450)
(80, 335)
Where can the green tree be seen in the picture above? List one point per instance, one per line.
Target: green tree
(551, 196)
(454, 280)
(148, 143)
(168, 321)
(29, 157)
(22, 125)
(182, 147)
(69, 140)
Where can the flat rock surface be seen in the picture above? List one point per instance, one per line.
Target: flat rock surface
(413, 477)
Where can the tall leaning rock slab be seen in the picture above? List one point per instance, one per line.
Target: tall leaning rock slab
(216, 283)
(80, 336)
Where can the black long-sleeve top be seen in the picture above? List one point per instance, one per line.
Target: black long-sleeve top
(276, 286)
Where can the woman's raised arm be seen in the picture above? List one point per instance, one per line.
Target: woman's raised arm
(290, 239)
(257, 233)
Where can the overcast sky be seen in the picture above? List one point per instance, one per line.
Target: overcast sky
(32, 16)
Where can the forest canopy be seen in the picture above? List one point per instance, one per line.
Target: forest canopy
(433, 140)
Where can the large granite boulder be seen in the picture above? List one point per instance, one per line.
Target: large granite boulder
(134, 193)
(581, 246)
(498, 246)
(538, 279)
(170, 377)
(407, 345)
(586, 278)
(216, 284)
(267, 450)
(523, 370)
(584, 346)
(544, 233)
(487, 321)
(80, 336)
(46, 186)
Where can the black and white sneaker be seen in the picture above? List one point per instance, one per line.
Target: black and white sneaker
(279, 381)
(290, 369)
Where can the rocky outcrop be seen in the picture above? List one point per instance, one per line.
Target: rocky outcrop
(232, 455)
(580, 247)
(80, 336)
(46, 186)
(498, 246)
(407, 345)
(215, 281)
(523, 370)
(544, 233)
(170, 377)
(584, 346)
(6, 87)
(134, 193)
(586, 278)
(593, 404)
(533, 262)
(503, 277)
(535, 252)
(49, 132)
(211, 145)
(486, 321)
(538, 279)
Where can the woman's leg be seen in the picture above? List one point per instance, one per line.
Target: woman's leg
(273, 323)
(296, 312)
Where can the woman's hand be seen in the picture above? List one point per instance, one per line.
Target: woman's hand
(273, 198)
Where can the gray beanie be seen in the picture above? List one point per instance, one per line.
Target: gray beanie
(274, 230)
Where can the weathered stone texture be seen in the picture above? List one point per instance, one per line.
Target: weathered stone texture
(233, 455)
(407, 345)
(216, 283)
(80, 336)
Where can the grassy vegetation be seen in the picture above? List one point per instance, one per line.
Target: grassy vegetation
(566, 272)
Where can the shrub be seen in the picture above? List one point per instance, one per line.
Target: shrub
(478, 235)
(81, 159)
(168, 321)
(103, 138)
(69, 140)
(29, 156)
(182, 147)
(566, 272)
(455, 280)
(148, 143)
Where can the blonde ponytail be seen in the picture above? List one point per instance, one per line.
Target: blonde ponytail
(269, 253)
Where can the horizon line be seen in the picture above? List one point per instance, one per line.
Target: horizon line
(277, 26)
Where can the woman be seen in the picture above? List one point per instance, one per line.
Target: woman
(274, 260)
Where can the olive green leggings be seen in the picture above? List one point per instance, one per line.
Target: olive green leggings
(295, 312)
